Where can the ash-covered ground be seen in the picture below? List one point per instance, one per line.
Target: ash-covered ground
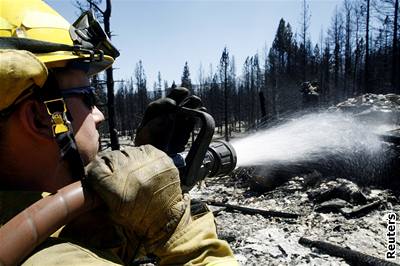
(259, 240)
(330, 207)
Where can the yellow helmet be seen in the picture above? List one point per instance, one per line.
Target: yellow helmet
(34, 26)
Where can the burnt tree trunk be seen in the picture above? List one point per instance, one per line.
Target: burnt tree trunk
(110, 85)
(395, 59)
(367, 86)
(262, 104)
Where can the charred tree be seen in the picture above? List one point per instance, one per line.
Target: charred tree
(110, 84)
(140, 79)
(367, 85)
(395, 53)
(347, 53)
(305, 24)
(224, 62)
(262, 104)
(358, 53)
(335, 33)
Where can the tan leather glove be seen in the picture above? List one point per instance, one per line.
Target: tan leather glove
(165, 126)
(195, 243)
(141, 187)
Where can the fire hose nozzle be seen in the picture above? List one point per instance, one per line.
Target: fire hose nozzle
(220, 158)
(204, 158)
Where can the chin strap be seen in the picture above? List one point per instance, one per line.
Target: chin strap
(62, 130)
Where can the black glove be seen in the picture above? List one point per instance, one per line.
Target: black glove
(164, 126)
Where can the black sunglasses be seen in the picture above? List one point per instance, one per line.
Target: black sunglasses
(87, 93)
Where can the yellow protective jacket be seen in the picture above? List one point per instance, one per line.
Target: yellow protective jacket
(93, 240)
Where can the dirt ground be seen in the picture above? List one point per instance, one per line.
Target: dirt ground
(259, 240)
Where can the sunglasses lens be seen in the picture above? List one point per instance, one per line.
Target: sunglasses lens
(87, 94)
(89, 99)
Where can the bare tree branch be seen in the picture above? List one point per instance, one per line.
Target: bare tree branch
(97, 7)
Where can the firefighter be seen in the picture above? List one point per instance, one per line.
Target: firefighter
(49, 139)
(310, 92)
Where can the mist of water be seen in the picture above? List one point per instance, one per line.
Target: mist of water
(327, 140)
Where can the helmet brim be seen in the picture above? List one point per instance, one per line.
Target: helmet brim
(60, 59)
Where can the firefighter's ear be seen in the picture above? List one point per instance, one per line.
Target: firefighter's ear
(35, 120)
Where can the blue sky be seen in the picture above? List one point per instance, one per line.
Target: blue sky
(164, 34)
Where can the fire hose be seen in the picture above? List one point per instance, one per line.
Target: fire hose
(23, 233)
(27, 230)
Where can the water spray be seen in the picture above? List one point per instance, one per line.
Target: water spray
(330, 142)
(333, 143)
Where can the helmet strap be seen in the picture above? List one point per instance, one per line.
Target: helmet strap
(62, 130)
